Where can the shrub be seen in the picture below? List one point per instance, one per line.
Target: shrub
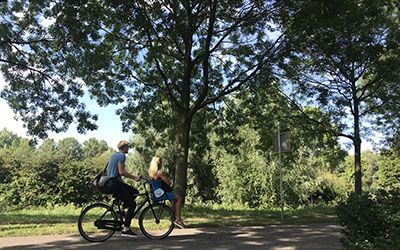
(371, 222)
(75, 184)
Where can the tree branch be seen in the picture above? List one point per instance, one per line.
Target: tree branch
(229, 88)
(158, 66)
(206, 57)
(6, 41)
(364, 89)
(228, 31)
(326, 129)
(25, 66)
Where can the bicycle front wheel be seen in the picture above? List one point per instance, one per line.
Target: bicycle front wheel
(97, 222)
(156, 221)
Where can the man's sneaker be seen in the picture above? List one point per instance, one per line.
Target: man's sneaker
(179, 224)
(128, 233)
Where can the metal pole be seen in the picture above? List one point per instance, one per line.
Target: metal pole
(280, 170)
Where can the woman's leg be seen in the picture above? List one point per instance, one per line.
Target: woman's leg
(178, 207)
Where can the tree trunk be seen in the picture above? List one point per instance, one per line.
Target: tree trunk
(182, 156)
(357, 164)
(357, 147)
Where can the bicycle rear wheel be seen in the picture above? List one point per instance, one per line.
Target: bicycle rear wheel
(156, 221)
(97, 222)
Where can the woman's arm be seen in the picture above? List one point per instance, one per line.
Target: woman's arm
(160, 174)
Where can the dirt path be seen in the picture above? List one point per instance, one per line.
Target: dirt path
(313, 236)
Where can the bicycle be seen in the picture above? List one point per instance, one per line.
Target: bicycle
(99, 221)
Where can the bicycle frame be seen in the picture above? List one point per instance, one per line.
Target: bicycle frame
(117, 203)
(112, 216)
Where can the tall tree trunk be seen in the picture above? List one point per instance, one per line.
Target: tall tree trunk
(183, 155)
(357, 162)
(357, 147)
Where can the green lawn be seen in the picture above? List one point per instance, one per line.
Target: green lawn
(62, 220)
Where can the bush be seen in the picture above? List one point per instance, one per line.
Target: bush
(32, 185)
(75, 184)
(371, 222)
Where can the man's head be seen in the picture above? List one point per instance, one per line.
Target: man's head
(123, 146)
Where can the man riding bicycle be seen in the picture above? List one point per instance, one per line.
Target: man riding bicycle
(122, 191)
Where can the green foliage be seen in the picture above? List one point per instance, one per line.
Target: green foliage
(50, 97)
(53, 173)
(371, 222)
(69, 149)
(75, 184)
(369, 165)
(380, 171)
(341, 57)
(8, 139)
(244, 177)
(246, 164)
(121, 54)
(93, 148)
(388, 174)
(305, 185)
(202, 181)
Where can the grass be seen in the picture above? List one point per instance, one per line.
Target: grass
(218, 216)
(62, 219)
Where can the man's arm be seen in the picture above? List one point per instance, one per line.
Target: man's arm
(122, 172)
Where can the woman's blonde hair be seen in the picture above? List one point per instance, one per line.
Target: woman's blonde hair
(155, 166)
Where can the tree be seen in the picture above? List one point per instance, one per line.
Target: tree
(240, 175)
(8, 143)
(203, 183)
(93, 147)
(344, 59)
(141, 54)
(160, 139)
(47, 174)
(69, 149)
(9, 139)
(48, 97)
(246, 164)
(388, 174)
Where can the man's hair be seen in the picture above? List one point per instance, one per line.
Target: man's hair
(122, 144)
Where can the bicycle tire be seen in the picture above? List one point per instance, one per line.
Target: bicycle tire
(147, 224)
(104, 209)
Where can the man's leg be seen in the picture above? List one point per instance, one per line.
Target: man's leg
(127, 195)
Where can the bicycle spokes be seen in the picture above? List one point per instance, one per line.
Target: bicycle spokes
(156, 211)
(156, 221)
(98, 222)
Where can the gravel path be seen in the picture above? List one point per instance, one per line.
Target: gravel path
(312, 236)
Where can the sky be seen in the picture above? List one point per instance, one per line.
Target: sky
(109, 124)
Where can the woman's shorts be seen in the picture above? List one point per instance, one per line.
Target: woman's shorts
(169, 196)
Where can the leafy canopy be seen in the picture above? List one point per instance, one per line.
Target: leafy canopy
(135, 53)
